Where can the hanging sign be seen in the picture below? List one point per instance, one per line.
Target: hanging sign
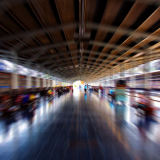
(2, 66)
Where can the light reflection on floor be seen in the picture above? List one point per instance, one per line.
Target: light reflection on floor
(101, 108)
(22, 125)
(132, 119)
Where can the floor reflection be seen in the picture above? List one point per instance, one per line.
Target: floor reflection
(76, 125)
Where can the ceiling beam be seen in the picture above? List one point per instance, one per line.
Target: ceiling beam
(89, 25)
(76, 57)
(34, 58)
(83, 63)
(39, 31)
(62, 69)
(60, 60)
(102, 44)
(5, 51)
(118, 47)
(124, 31)
(48, 46)
(93, 63)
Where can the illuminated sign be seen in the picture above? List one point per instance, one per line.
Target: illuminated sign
(2, 66)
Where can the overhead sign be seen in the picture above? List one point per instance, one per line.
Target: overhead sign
(6, 66)
(139, 69)
(22, 70)
(155, 65)
(33, 73)
(2, 66)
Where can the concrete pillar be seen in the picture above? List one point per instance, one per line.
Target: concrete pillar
(49, 83)
(14, 81)
(29, 81)
(38, 78)
(132, 79)
(44, 82)
(148, 75)
(52, 83)
(14, 76)
(37, 82)
(111, 77)
(132, 74)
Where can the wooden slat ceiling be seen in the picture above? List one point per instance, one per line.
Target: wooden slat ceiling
(49, 33)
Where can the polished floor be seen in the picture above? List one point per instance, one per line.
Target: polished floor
(75, 126)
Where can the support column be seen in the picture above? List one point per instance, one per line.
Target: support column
(52, 82)
(133, 74)
(37, 82)
(44, 82)
(29, 78)
(44, 79)
(38, 79)
(49, 81)
(49, 84)
(147, 74)
(14, 76)
(133, 86)
(14, 81)
(112, 79)
(122, 68)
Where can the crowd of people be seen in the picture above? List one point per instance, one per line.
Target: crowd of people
(27, 99)
(145, 111)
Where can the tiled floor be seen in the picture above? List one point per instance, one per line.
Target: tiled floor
(74, 126)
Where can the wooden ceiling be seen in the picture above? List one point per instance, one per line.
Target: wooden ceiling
(80, 39)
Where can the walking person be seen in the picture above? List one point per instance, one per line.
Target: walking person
(85, 88)
(145, 114)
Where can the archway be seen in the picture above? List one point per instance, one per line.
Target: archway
(78, 84)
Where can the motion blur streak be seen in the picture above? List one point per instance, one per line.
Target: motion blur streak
(79, 79)
(77, 125)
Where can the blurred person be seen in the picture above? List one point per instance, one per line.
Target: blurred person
(14, 96)
(32, 97)
(18, 99)
(72, 89)
(50, 93)
(145, 113)
(5, 96)
(118, 100)
(24, 100)
(8, 104)
(0, 99)
(43, 93)
(85, 88)
(53, 91)
(101, 92)
(2, 104)
(101, 88)
(112, 96)
(59, 92)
